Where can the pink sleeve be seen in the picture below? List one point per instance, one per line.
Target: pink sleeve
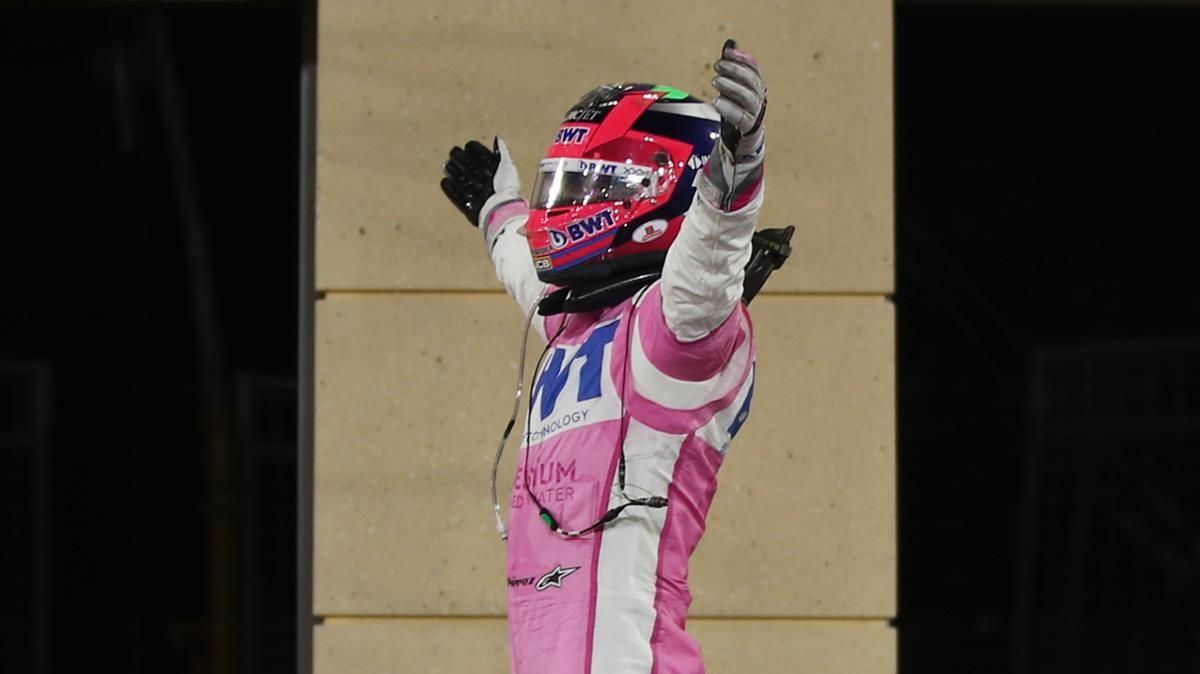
(688, 361)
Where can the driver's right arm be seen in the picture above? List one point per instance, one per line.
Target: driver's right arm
(483, 184)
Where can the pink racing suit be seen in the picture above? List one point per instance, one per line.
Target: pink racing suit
(671, 373)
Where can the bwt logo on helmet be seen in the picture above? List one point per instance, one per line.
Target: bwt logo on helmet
(571, 135)
(603, 168)
(582, 229)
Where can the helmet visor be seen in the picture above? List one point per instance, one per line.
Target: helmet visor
(574, 182)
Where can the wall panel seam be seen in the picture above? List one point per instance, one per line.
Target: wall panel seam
(470, 292)
(351, 618)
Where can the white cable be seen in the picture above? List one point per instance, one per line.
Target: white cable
(501, 528)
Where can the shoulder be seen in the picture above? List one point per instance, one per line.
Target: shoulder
(696, 360)
(678, 387)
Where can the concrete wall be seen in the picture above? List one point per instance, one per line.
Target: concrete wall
(416, 348)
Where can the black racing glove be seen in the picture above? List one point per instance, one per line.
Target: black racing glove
(469, 177)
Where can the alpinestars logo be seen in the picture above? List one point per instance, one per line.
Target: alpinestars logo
(555, 577)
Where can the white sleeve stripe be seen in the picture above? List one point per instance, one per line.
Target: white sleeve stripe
(667, 391)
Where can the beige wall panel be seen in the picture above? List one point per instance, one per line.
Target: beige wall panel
(804, 519)
(411, 646)
(796, 647)
(412, 390)
(480, 646)
(400, 82)
(411, 394)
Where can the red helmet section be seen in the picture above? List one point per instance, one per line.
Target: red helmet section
(619, 134)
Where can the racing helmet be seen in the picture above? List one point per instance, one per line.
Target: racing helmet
(611, 194)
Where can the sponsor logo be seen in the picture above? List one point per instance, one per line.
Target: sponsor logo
(590, 166)
(541, 263)
(560, 494)
(584, 115)
(590, 226)
(558, 239)
(554, 578)
(554, 378)
(602, 167)
(697, 161)
(557, 424)
(571, 135)
(547, 473)
(650, 231)
(582, 229)
(550, 482)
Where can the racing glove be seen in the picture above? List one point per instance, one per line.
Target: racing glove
(478, 181)
(734, 178)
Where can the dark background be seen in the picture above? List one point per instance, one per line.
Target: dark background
(1048, 337)
(1048, 203)
(149, 261)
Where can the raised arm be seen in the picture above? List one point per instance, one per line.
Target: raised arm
(703, 273)
(484, 185)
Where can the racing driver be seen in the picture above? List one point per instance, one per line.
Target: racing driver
(630, 259)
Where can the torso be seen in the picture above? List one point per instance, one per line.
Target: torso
(615, 601)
